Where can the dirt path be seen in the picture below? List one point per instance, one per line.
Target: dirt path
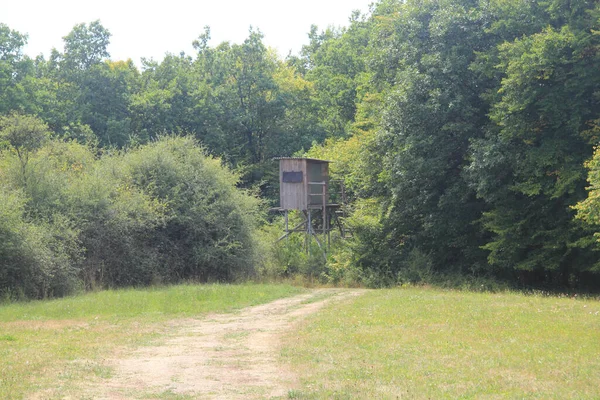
(224, 356)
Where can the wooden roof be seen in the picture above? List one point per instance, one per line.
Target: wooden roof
(302, 158)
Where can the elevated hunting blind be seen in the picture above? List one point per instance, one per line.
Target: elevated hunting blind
(303, 182)
(304, 185)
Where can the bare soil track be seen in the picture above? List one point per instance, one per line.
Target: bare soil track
(224, 356)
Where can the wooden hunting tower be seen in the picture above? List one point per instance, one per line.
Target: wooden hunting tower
(304, 186)
(303, 182)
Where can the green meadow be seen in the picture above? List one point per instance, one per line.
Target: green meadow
(433, 344)
(413, 343)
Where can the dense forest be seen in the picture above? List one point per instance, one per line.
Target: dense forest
(464, 130)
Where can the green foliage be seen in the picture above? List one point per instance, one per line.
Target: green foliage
(14, 70)
(106, 98)
(589, 209)
(86, 45)
(23, 134)
(432, 110)
(241, 102)
(476, 158)
(529, 167)
(461, 132)
(36, 260)
(461, 126)
(335, 62)
(367, 257)
(292, 257)
(161, 212)
(208, 225)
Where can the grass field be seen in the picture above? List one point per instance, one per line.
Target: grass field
(412, 343)
(61, 342)
(433, 344)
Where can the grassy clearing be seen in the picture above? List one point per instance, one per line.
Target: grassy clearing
(54, 344)
(427, 343)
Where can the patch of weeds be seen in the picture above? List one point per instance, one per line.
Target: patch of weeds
(168, 395)
(236, 335)
(295, 394)
(102, 371)
(8, 338)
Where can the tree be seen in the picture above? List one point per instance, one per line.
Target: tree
(14, 69)
(539, 145)
(241, 102)
(335, 62)
(167, 101)
(23, 134)
(588, 209)
(85, 46)
(432, 111)
(106, 99)
(87, 91)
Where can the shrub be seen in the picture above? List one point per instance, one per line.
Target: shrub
(163, 212)
(36, 260)
(209, 226)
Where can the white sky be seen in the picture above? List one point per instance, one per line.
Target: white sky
(146, 28)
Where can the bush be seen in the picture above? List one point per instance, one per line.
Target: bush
(36, 260)
(163, 212)
(209, 226)
(290, 259)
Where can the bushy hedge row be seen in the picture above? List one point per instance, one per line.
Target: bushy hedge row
(163, 212)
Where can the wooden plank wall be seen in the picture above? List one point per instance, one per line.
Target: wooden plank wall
(293, 196)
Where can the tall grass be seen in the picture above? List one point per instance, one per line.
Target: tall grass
(56, 344)
(426, 343)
